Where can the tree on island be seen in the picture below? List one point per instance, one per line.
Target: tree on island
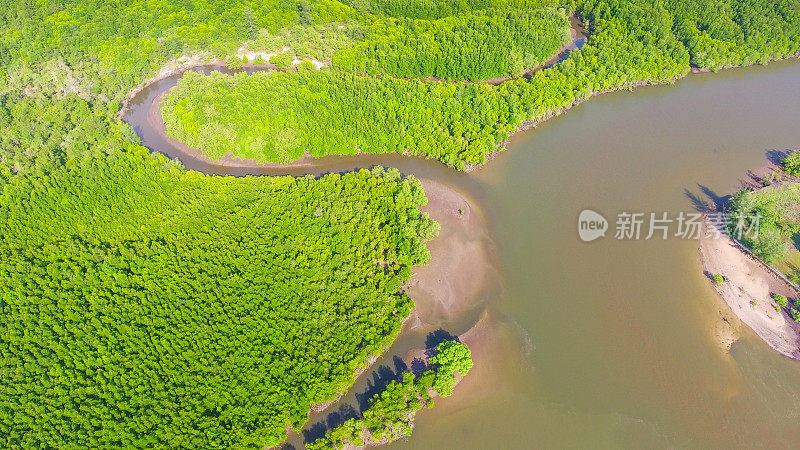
(390, 415)
(451, 357)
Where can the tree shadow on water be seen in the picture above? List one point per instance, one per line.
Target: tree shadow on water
(332, 420)
(707, 201)
(380, 378)
(419, 365)
(435, 338)
(775, 156)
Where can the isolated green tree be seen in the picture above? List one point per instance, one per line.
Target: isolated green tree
(451, 357)
(233, 62)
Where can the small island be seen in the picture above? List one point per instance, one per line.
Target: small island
(754, 263)
(390, 415)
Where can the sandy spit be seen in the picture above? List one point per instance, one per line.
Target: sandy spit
(748, 290)
(462, 258)
(453, 282)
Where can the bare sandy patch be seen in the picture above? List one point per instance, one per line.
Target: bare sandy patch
(748, 290)
(461, 272)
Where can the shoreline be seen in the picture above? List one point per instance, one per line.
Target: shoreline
(446, 305)
(747, 292)
(229, 160)
(462, 263)
(452, 286)
(695, 69)
(480, 338)
(535, 122)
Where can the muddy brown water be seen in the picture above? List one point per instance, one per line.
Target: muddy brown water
(605, 344)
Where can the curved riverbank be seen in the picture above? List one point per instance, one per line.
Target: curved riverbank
(462, 262)
(144, 114)
(450, 294)
(578, 35)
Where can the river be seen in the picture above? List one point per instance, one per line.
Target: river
(610, 343)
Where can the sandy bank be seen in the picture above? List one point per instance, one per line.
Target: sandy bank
(461, 268)
(452, 288)
(748, 290)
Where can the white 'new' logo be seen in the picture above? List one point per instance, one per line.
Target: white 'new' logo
(591, 225)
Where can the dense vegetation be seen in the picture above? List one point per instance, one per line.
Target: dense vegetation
(466, 47)
(724, 33)
(146, 306)
(390, 414)
(768, 220)
(101, 49)
(438, 9)
(318, 41)
(459, 124)
(475, 41)
(333, 113)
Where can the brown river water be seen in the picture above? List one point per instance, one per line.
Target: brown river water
(611, 343)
